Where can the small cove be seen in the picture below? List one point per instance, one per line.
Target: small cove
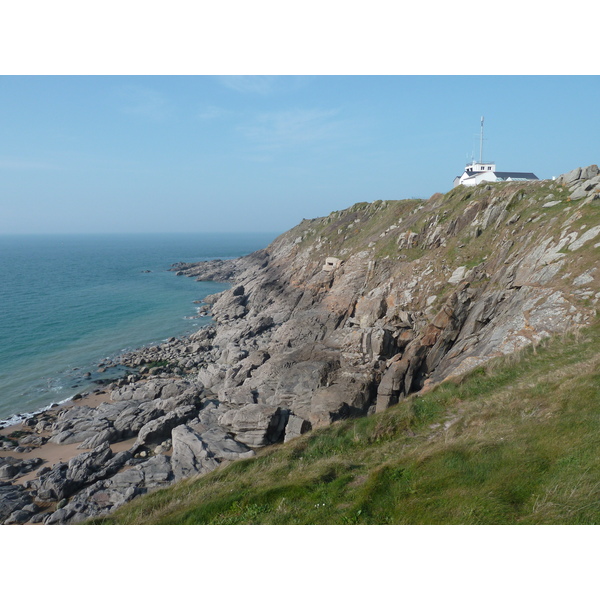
(69, 302)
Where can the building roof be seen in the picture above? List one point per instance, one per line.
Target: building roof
(514, 175)
(474, 177)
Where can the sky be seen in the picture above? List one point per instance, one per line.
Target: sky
(135, 116)
(260, 153)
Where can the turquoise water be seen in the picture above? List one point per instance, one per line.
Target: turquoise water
(68, 302)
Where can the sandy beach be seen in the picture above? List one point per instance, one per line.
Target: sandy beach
(51, 453)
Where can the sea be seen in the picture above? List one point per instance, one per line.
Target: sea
(69, 302)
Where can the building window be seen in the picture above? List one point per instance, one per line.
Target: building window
(489, 168)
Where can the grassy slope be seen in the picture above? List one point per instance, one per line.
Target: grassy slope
(515, 442)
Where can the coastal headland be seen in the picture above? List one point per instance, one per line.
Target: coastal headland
(342, 316)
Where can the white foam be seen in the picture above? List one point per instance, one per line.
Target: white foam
(15, 419)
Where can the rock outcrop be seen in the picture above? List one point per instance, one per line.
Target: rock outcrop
(341, 316)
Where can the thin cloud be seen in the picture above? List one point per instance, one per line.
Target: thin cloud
(144, 102)
(249, 84)
(265, 85)
(291, 128)
(25, 165)
(208, 113)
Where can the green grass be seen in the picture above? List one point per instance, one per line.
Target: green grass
(514, 442)
(158, 363)
(367, 226)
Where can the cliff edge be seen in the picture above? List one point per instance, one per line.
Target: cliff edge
(342, 316)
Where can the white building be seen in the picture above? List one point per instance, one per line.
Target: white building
(477, 172)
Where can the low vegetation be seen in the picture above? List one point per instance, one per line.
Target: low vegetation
(517, 441)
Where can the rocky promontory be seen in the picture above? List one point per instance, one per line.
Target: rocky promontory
(341, 316)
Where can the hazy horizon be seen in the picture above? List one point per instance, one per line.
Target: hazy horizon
(139, 233)
(182, 154)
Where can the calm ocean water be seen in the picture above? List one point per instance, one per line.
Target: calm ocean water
(68, 302)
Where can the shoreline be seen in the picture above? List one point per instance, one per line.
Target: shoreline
(29, 391)
(111, 439)
(39, 450)
(36, 459)
(107, 364)
(98, 387)
(50, 453)
(85, 399)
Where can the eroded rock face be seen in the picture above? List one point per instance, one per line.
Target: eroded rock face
(158, 430)
(132, 407)
(361, 336)
(191, 455)
(11, 467)
(255, 424)
(106, 495)
(12, 498)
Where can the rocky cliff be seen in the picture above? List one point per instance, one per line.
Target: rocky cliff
(350, 313)
(341, 316)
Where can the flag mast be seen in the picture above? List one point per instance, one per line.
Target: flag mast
(481, 143)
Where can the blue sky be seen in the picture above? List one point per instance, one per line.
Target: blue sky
(259, 153)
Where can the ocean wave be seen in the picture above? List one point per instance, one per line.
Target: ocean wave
(16, 419)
